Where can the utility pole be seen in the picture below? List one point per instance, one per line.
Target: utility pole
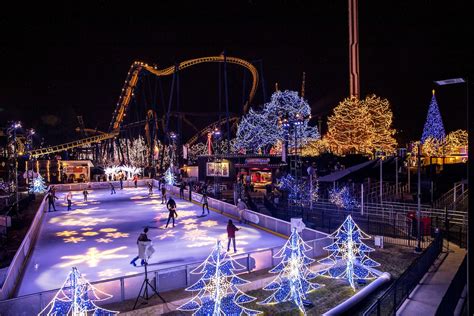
(418, 210)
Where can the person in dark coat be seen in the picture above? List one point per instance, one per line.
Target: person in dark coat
(112, 188)
(143, 237)
(181, 189)
(231, 229)
(121, 181)
(204, 203)
(150, 188)
(190, 185)
(85, 193)
(171, 205)
(163, 194)
(51, 197)
(135, 180)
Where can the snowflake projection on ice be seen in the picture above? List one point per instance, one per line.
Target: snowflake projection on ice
(89, 233)
(109, 273)
(85, 221)
(189, 221)
(66, 233)
(217, 289)
(190, 226)
(87, 228)
(104, 240)
(108, 230)
(342, 198)
(167, 234)
(74, 240)
(193, 235)
(77, 297)
(93, 257)
(117, 235)
(209, 223)
(348, 258)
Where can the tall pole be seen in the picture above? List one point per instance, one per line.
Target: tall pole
(381, 183)
(354, 85)
(418, 210)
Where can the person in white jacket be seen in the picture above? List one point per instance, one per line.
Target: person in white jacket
(241, 207)
(145, 250)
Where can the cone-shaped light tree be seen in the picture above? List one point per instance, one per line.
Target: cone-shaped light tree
(38, 185)
(216, 291)
(434, 127)
(349, 255)
(77, 297)
(293, 280)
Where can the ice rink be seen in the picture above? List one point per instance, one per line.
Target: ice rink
(99, 237)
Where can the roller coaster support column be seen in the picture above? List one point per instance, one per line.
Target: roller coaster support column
(226, 103)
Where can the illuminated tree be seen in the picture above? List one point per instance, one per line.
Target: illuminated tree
(260, 130)
(293, 280)
(299, 191)
(349, 128)
(456, 142)
(38, 185)
(348, 258)
(434, 124)
(381, 116)
(77, 297)
(432, 147)
(342, 198)
(170, 178)
(217, 291)
(315, 147)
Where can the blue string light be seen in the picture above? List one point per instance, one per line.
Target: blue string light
(348, 258)
(170, 178)
(342, 198)
(434, 124)
(38, 185)
(293, 280)
(217, 291)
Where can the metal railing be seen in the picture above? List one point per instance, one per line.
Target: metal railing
(393, 297)
(452, 295)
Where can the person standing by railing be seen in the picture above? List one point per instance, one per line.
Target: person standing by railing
(51, 197)
(241, 207)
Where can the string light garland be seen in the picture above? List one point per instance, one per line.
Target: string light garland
(217, 291)
(348, 258)
(77, 297)
(293, 280)
(434, 124)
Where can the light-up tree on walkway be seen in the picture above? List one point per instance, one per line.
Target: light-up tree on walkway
(348, 258)
(77, 297)
(293, 280)
(38, 185)
(217, 291)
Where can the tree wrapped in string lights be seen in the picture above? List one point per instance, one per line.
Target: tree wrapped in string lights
(299, 192)
(77, 297)
(348, 258)
(38, 185)
(217, 291)
(170, 178)
(381, 116)
(342, 198)
(434, 124)
(293, 280)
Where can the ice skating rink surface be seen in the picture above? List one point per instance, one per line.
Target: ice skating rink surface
(99, 237)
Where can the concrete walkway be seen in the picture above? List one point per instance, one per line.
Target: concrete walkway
(426, 297)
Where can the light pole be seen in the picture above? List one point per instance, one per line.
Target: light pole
(418, 209)
(470, 173)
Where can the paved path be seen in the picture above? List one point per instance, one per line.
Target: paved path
(426, 297)
(99, 237)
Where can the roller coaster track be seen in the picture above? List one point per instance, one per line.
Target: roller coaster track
(128, 92)
(210, 128)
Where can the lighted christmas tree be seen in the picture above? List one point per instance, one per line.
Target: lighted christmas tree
(299, 191)
(342, 198)
(77, 297)
(349, 255)
(293, 280)
(170, 178)
(434, 124)
(217, 292)
(38, 185)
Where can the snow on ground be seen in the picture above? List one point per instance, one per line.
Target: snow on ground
(99, 237)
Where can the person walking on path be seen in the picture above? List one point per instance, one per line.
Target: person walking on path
(204, 203)
(163, 194)
(69, 200)
(171, 205)
(150, 188)
(231, 229)
(143, 237)
(135, 181)
(181, 189)
(112, 188)
(85, 194)
(241, 207)
(51, 197)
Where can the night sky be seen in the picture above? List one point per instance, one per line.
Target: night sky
(66, 61)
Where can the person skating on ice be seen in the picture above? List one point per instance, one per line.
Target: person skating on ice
(85, 193)
(171, 205)
(121, 181)
(135, 181)
(143, 237)
(112, 188)
(204, 203)
(241, 207)
(69, 200)
(51, 198)
(163, 194)
(150, 189)
(181, 189)
(231, 229)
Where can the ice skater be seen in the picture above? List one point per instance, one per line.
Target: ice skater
(171, 205)
(142, 238)
(241, 207)
(231, 229)
(121, 181)
(163, 194)
(181, 189)
(150, 188)
(51, 198)
(112, 188)
(85, 193)
(204, 203)
(135, 181)
(69, 200)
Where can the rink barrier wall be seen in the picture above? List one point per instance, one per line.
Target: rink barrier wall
(172, 278)
(15, 270)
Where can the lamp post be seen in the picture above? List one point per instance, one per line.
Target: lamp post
(470, 173)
